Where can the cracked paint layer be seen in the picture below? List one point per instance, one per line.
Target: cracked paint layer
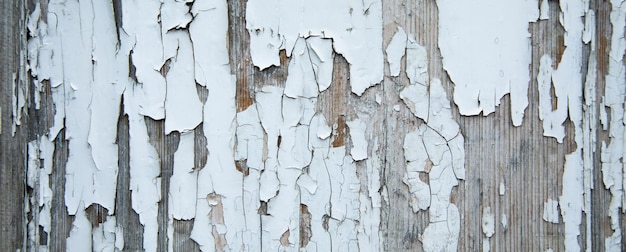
(39, 168)
(612, 154)
(145, 182)
(490, 35)
(272, 168)
(140, 22)
(354, 26)
(435, 149)
(568, 78)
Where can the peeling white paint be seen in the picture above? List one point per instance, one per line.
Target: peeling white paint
(359, 143)
(268, 99)
(145, 183)
(552, 118)
(368, 230)
(250, 146)
(551, 211)
(183, 108)
(218, 224)
(80, 237)
(310, 67)
(106, 236)
(417, 160)
(612, 155)
(491, 35)
(436, 148)
(355, 27)
(140, 21)
(77, 36)
(488, 227)
(183, 183)
(567, 81)
(416, 62)
(317, 201)
(46, 153)
(344, 199)
(589, 122)
(282, 143)
(109, 71)
(395, 51)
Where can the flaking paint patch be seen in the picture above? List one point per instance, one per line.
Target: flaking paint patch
(552, 118)
(106, 236)
(45, 59)
(183, 183)
(145, 183)
(435, 148)
(357, 134)
(80, 237)
(488, 227)
(45, 194)
(492, 36)
(395, 51)
(110, 69)
(39, 168)
(249, 152)
(551, 211)
(77, 69)
(417, 158)
(355, 27)
(31, 207)
(568, 79)
(310, 67)
(140, 22)
(183, 108)
(314, 185)
(268, 99)
(589, 121)
(612, 155)
(220, 177)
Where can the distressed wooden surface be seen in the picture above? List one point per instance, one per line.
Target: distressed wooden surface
(12, 147)
(528, 164)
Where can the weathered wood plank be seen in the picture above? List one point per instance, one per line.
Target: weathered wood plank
(512, 171)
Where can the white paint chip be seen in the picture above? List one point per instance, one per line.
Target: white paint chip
(551, 211)
(183, 108)
(359, 143)
(488, 222)
(416, 62)
(183, 182)
(488, 227)
(395, 51)
(552, 118)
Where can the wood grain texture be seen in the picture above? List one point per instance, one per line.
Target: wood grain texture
(12, 148)
(528, 164)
